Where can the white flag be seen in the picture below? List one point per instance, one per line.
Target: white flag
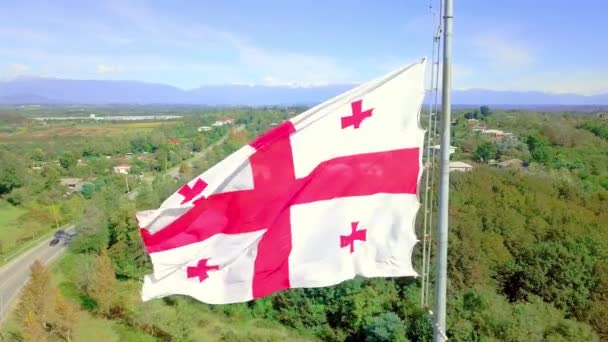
(319, 199)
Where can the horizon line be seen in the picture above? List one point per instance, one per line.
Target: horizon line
(290, 85)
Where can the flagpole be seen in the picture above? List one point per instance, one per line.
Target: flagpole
(439, 327)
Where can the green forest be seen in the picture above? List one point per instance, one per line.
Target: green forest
(528, 240)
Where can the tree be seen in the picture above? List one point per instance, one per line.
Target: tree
(421, 326)
(87, 190)
(385, 327)
(486, 151)
(103, 283)
(68, 159)
(199, 143)
(55, 213)
(200, 165)
(51, 176)
(18, 196)
(485, 111)
(12, 172)
(92, 232)
(36, 302)
(539, 152)
(31, 330)
(147, 198)
(66, 317)
(560, 272)
(38, 154)
(162, 157)
(598, 317)
(472, 115)
(126, 250)
(185, 169)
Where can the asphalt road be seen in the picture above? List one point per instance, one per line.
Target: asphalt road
(15, 274)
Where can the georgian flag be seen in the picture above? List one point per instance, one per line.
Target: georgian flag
(323, 197)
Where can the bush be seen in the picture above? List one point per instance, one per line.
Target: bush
(91, 236)
(87, 190)
(486, 151)
(560, 272)
(18, 196)
(385, 327)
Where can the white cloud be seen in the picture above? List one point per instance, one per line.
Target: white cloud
(19, 69)
(109, 69)
(503, 51)
(245, 62)
(293, 68)
(15, 70)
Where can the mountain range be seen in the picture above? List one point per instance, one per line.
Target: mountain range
(94, 92)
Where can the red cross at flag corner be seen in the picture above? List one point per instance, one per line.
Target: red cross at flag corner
(321, 198)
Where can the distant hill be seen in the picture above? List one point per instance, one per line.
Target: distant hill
(19, 91)
(495, 97)
(63, 91)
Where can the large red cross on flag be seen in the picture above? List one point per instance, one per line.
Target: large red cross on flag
(319, 199)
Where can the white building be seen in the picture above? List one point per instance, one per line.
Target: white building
(495, 133)
(222, 122)
(437, 148)
(460, 166)
(204, 128)
(122, 169)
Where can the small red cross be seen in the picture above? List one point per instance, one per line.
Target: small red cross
(189, 193)
(200, 270)
(358, 115)
(349, 240)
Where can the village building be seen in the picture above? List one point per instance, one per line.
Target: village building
(511, 163)
(222, 122)
(494, 133)
(204, 128)
(73, 184)
(122, 169)
(437, 149)
(460, 166)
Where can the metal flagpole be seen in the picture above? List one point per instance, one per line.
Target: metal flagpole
(439, 330)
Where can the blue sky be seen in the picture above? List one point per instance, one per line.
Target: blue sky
(548, 45)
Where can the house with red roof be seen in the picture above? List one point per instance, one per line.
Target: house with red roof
(222, 122)
(122, 169)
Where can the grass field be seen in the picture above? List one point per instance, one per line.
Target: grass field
(17, 236)
(9, 229)
(79, 130)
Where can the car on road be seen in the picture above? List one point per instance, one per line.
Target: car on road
(54, 241)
